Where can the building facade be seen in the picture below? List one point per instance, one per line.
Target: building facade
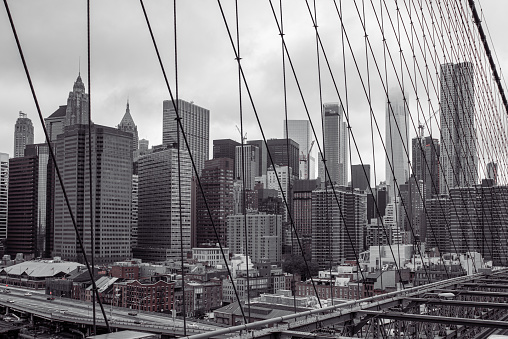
(338, 226)
(196, 126)
(336, 149)
(4, 194)
(300, 131)
(360, 177)
(160, 208)
(264, 235)
(396, 142)
(23, 206)
(217, 184)
(44, 229)
(458, 157)
(284, 152)
(249, 171)
(111, 157)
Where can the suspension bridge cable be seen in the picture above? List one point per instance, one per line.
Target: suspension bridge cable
(52, 156)
(263, 135)
(92, 204)
(180, 126)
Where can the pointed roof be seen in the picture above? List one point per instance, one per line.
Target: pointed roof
(127, 118)
(78, 84)
(60, 112)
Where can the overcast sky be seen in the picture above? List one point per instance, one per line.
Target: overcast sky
(124, 65)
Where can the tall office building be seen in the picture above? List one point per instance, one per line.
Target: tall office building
(225, 148)
(43, 232)
(217, 183)
(284, 152)
(4, 194)
(336, 149)
(396, 142)
(22, 210)
(285, 178)
(302, 214)
(360, 177)
(250, 167)
(301, 132)
(263, 155)
(160, 208)
(55, 122)
(264, 234)
(127, 125)
(76, 112)
(111, 157)
(196, 126)
(425, 163)
(478, 221)
(338, 227)
(458, 158)
(23, 135)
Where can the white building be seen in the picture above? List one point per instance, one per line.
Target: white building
(264, 236)
(210, 255)
(250, 167)
(284, 174)
(396, 146)
(301, 132)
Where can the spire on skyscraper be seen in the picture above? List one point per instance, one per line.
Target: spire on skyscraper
(127, 125)
(77, 104)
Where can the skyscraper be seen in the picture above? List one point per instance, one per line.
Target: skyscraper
(23, 135)
(284, 152)
(302, 214)
(55, 122)
(360, 177)
(22, 210)
(336, 150)
(127, 125)
(160, 208)
(425, 163)
(458, 158)
(217, 183)
(264, 234)
(111, 157)
(4, 193)
(337, 232)
(43, 232)
(300, 131)
(396, 141)
(225, 148)
(263, 155)
(76, 112)
(196, 126)
(251, 163)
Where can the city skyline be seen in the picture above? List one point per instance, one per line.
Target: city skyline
(143, 86)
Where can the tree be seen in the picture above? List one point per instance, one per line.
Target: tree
(296, 264)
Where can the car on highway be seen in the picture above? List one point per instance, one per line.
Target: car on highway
(50, 298)
(11, 301)
(132, 313)
(28, 294)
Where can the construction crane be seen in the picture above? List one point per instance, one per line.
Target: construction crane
(305, 158)
(244, 138)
